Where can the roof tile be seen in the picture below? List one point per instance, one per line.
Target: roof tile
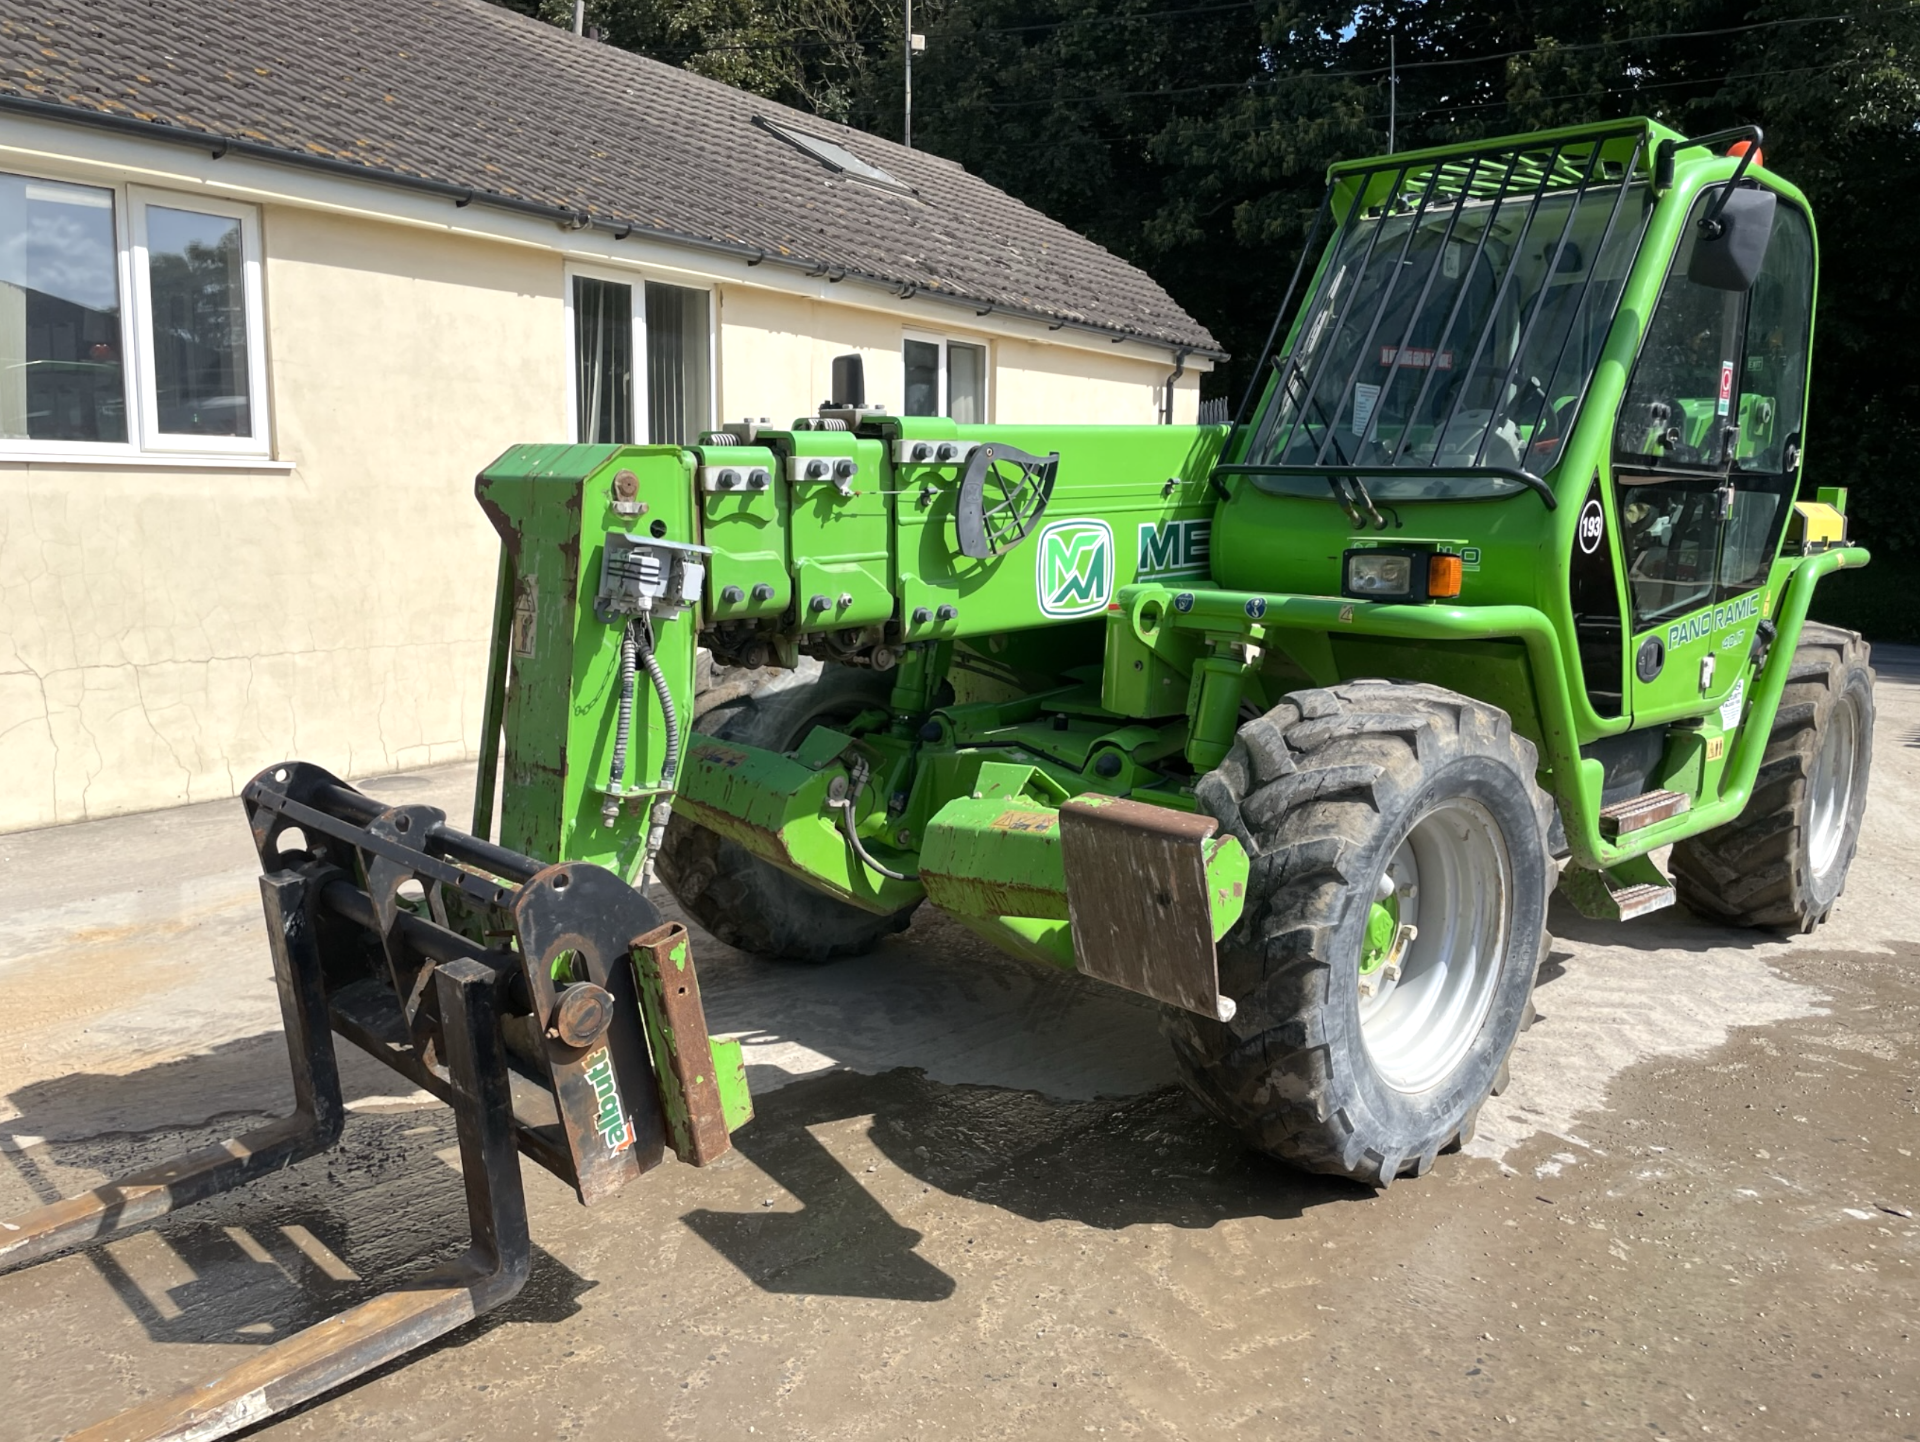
(467, 93)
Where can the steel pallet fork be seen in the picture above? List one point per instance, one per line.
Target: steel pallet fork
(573, 1034)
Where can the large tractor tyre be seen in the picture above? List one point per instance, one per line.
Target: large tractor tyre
(1395, 922)
(742, 900)
(1783, 862)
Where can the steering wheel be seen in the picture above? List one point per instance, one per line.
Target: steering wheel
(1668, 438)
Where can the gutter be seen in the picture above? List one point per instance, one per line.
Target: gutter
(221, 146)
(1179, 369)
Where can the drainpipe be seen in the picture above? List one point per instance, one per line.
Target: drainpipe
(1166, 401)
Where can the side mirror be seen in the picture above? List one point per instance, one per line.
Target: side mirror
(1733, 240)
(850, 382)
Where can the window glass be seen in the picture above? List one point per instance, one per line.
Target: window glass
(62, 375)
(1461, 335)
(1771, 393)
(679, 405)
(602, 361)
(1773, 384)
(1678, 412)
(967, 383)
(196, 271)
(1671, 538)
(922, 361)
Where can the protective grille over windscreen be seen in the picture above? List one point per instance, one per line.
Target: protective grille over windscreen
(1455, 326)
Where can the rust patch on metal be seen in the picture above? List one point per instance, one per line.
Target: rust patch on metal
(683, 1049)
(1140, 900)
(1040, 821)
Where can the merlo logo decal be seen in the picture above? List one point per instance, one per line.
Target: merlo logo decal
(1075, 567)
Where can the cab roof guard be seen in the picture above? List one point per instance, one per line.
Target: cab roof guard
(1435, 186)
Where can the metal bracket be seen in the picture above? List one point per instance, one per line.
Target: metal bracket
(986, 525)
(1138, 895)
(933, 453)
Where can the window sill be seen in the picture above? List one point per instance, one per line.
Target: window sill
(142, 460)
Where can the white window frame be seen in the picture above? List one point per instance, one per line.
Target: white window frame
(152, 438)
(637, 304)
(637, 282)
(144, 443)
(712, 292)
(929, 337)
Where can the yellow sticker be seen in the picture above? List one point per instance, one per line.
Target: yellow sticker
(1716, 747)
(1346, 613)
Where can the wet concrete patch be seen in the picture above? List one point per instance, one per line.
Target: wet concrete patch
(1611, 996)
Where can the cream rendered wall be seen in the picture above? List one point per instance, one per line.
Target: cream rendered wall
(1086, 387)
(776, 357)
(167, 631)
(164, 633)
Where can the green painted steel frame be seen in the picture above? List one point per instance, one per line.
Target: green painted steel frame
(1282, 618)
(1118, 661)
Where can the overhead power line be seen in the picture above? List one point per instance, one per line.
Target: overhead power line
(1258, 82)
(809, 39)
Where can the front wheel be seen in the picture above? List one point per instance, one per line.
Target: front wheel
(1395, 921)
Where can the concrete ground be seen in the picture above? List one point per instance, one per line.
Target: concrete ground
(974, 1203)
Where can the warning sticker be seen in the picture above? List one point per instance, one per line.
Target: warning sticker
(1365, 397)
(1731, 708)
(1726, 386)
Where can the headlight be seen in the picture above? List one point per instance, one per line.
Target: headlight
(1375, 574)
(1380, 575)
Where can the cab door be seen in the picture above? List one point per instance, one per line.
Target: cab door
(1705, 461)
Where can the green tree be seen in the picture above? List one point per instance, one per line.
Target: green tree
(806, 53)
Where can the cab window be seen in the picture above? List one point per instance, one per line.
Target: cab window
(1772, 394)
(1678, 411)
(1706, 445)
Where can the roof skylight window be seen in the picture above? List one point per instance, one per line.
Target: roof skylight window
(836, 156)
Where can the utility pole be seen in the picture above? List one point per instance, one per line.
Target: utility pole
(907, 129)
(1393, 88)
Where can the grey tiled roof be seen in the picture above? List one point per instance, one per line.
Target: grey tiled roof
(475, 97)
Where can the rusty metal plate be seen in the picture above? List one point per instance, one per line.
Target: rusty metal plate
(1137, 897)
(605, 1092)
(682, 1052)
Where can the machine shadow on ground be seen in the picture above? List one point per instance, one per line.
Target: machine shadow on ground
(1673, 929)
(1103, 1163)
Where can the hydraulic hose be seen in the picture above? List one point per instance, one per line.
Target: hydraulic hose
(623, 727)
(669, 766)
(846, 806)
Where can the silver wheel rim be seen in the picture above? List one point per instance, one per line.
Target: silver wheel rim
(1451, 881)
(1832, 785)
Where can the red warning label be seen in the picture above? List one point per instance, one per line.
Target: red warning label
(1726, 386)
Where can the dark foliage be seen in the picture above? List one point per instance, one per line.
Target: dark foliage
(1191, 136)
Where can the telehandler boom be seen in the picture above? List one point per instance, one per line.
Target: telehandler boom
(1499, 580)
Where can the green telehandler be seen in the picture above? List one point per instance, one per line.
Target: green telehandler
(1498, 581)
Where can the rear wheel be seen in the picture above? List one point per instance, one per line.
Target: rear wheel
(742, 900)
(1783, 863)
(1394, 925)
